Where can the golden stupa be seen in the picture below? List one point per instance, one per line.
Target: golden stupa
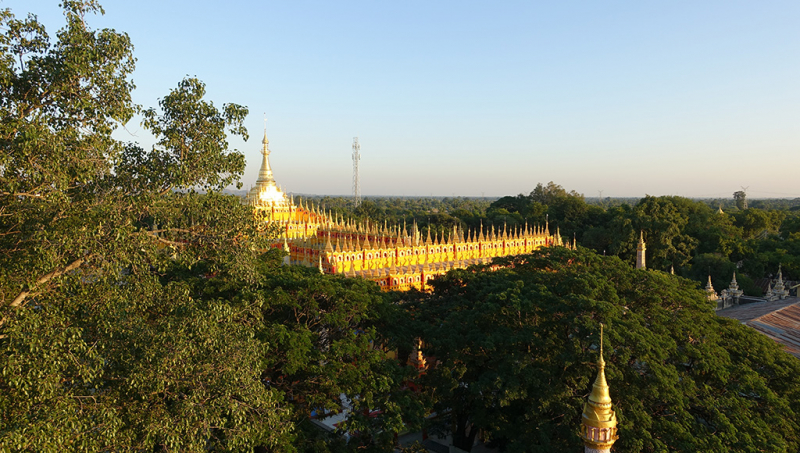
(599, 422)
(394, 257)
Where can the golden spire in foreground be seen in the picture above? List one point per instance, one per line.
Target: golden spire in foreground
(599, 422)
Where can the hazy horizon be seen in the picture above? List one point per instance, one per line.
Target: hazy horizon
(243, 191)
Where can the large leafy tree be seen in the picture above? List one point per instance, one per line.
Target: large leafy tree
(137, 314)
(65, 205)
(322, 332)
(515, 352)
(758, 223)
(665, 225)
(107, 339)
(60, 101)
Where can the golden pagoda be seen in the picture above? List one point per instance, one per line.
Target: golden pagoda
(391, 256)
(599, 422)
(266, 192)
(271, 204)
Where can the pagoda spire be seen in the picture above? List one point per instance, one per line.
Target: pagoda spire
(599, 422)
(640, 249)
(733, 290)
(287, 258)
(265, 173)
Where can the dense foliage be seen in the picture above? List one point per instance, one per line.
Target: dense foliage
(515, 351)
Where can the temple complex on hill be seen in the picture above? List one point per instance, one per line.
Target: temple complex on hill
(395, 257)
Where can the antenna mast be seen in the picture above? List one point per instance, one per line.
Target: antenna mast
(356, 158)
(744, 189)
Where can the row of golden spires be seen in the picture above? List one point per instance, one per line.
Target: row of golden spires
(400, 238)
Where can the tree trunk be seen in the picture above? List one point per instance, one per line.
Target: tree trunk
(464, 434)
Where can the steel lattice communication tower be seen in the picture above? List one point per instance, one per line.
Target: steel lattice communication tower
(356, 158)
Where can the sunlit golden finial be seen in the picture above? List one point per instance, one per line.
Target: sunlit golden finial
(599, 422)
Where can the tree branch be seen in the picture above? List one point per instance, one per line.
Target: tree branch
(21, 194)
(154, 235)
(44, 279)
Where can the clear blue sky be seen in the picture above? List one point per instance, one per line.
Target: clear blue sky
(692, 98)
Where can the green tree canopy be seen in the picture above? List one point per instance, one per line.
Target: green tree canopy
(516, 350)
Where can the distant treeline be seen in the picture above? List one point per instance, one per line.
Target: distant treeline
(690, 236)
